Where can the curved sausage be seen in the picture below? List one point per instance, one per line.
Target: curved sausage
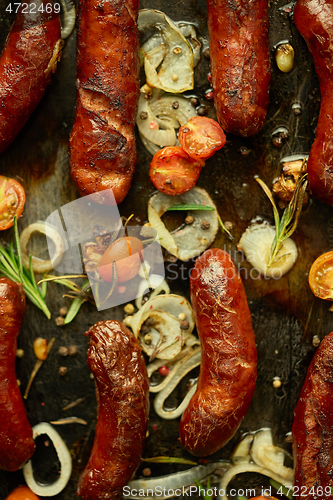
(122, 390)
(29, 57)
(314, 20)
(312, 428)
(240, 64)
(16, 443)
(229, 358)
(102, 142)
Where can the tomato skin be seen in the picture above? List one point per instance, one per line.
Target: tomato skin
(12, 200)
(321, 276)
(126, 252)
(201, 137)
(22, 493)
(173, 171)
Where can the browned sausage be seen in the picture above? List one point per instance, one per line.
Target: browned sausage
(102, 142)
(122, 390)
(240, 65)
(16, 443)
(229, 358)
(312, 428)
(314, 20)
(29, 57)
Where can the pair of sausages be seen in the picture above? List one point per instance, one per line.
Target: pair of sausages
(16, 442)
(314, 20)
(27, 61)
(102, 142)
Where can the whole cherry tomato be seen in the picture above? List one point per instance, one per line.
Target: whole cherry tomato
(12, 199)
(321, 276)
(22, 493)
(127, 253)
(173, 171)
(201, 137)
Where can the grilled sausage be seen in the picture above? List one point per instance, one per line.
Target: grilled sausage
(228, 368)
(240, 65)
(29, 57)
(312, 428)
(122, 390)
(16, 443)
(314, 20)
(102, 142)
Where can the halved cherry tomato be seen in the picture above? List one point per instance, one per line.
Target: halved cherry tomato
(201, 137)
(12, 199)
(126, 253)
(22, 493)
(173, 171)
(321, 276)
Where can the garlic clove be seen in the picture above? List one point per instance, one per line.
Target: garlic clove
(256, 244)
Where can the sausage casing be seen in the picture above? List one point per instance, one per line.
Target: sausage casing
(240, 63)
(102, 142)
(312, 427)
(122, 390)
(16, 443)
(314, 20)
(229, 358)
(29, 57)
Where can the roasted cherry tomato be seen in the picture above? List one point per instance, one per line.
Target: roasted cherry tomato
(22, 493)
(127, 253)
(200, 137)
(321, 276)
(173, 171)
(12, 199)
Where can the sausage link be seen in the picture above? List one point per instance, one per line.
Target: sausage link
(229, 358)
(312, 428)
(122, 390)
(16, 443)
(314, 20)
(102, 142)
(29, 57)
(240, 64)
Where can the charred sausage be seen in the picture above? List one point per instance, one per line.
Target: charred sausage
(122, 390)
(312, 428)
(240, 65)
(102, 142)
(228, 368)
(29, 57)
(314, 20)
(16, 443)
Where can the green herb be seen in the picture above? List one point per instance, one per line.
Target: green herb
(190, 206)
(205, 496)
(285, 226)
(287, 492)
(169, 460)
(11, 267)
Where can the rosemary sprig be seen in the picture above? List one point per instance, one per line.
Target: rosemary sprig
(286, 226)
(205, 495)
(11, 267)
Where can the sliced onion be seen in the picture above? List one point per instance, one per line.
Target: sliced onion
(175, 70)
(161, 114)
(39, 265)
(256, 244)
(65, 459)
(191, 240)
(241, 453)
(188, 30)
(184, 366)
(155, 282)
(265, 454)
(68, 17)
(168, 484)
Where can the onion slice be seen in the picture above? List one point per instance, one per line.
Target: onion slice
(172, 72)
(156, 283)
(191, 240)
(68, 16)
(39, 265)
(65, 459)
